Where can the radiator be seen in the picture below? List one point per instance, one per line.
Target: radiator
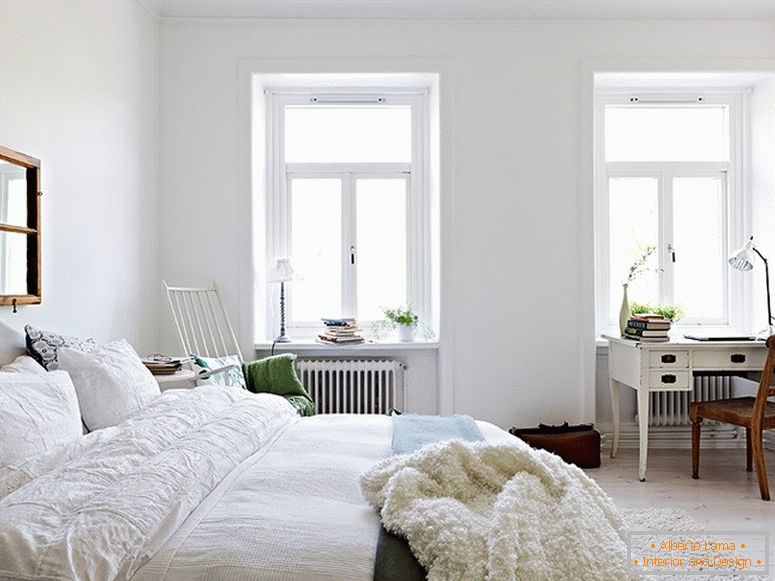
(354, 386)
(671, 408)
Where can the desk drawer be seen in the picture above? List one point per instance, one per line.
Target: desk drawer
(669, 359)
(669, 380)
(730, 358)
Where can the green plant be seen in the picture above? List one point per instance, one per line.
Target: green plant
(671, 312)
(401, 316)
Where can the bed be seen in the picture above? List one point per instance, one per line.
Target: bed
(206, 483)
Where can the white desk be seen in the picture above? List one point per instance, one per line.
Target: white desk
(647, 367)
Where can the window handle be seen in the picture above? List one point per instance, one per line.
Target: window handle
(352, 255)
(671, 250)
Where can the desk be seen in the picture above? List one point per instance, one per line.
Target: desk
(647, 367)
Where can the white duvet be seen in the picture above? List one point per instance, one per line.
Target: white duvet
(101, 507)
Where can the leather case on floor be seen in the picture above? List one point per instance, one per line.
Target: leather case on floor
(579, 445)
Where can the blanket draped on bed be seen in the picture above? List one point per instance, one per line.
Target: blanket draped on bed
(277, 375)
(498, 511)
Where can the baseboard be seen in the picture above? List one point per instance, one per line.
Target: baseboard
(680, 437)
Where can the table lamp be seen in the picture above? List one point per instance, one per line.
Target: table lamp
(743, 260)
(281, 272)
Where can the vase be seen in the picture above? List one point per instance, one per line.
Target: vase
(624, 312)
(405, 332)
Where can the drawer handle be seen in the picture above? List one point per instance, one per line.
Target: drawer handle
(668, 358)
(668, 378)
(737, 358)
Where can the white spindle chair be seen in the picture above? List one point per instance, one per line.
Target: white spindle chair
(202, 323)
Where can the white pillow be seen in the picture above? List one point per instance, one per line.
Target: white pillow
(37, 413)
(24, 364)
(111, 382)
(12, 344)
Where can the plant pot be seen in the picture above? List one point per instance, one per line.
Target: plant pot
(406, 332)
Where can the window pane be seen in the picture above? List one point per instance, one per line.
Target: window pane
(381, 245)
(316, 248)
(644, 133)
(698, 238)
(348, 134)
(633, 227)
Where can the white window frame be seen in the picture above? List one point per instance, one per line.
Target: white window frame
(735, 215)
(418, 207)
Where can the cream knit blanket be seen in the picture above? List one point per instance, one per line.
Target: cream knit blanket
(498, 511)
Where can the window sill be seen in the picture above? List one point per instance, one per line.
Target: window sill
(375, 346)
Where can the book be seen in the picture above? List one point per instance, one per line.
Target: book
(649, 317)
(340, 340)
(346, 322)
(644, 332)
(648, 339)
(651, 325)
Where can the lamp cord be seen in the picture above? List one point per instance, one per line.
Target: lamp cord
(767, 279)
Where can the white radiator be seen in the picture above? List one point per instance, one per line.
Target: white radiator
(671, 408)
(354, 386)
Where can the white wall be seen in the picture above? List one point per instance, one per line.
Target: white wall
(518, 236)
(763, 191)
(79, 91)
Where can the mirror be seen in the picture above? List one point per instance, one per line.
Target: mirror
(20, 279)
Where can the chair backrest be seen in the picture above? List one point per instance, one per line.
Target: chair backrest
(201, 320)
(766, 389)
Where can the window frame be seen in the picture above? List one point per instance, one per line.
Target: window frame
(735, 219)
(418, 206)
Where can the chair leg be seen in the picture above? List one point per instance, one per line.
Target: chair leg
(748, 451)
(758, 456)
(696, 447)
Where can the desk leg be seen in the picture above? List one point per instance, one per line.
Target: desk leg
(643, 425)
(616, 416)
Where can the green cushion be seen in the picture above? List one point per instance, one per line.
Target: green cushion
(277, 374)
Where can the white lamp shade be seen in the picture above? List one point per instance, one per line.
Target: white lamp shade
(281, 271)
(743, 259)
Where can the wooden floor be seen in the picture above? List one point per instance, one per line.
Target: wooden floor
(725, 498)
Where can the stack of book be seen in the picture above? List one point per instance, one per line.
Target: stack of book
(341, 332)
(648, 328)
(162, 365)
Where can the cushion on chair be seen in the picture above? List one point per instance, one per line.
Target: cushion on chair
(233, 376)
(736, 411)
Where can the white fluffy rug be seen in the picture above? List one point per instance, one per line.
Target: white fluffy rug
(668, 519)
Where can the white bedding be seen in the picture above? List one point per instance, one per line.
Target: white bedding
(279, 498)
(99, 508)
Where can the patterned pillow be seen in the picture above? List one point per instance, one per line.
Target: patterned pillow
(233, 376)
(43, 345)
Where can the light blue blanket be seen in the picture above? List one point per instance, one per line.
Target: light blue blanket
(413, 431)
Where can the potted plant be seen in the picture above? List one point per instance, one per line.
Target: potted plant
(672, 313)
(404, 320)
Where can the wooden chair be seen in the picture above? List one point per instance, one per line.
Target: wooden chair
(753, 413)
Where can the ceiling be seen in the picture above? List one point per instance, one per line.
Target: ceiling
(528, 9)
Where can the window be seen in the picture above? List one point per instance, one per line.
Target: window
(666, 171)
(349, 202)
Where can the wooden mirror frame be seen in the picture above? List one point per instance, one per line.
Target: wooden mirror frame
(32, 230)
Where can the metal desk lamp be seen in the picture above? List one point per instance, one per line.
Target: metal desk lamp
(743, 260)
